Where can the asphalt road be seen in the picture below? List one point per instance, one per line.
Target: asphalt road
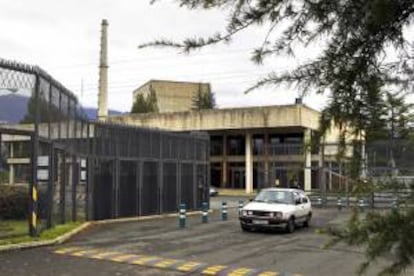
(216, 243)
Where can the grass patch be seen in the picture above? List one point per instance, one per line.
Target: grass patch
(13, 228)
(48, 234)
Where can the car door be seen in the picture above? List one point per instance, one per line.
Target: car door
(306, 204)
(299, 206)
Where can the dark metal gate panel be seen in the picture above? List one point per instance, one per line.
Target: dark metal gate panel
(187, 185)
(150, 189)
(103, 187)
(169, 188)
(128, 193)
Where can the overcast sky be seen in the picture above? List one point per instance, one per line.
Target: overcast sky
(63, 38)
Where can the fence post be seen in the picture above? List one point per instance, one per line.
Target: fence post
(182, 215)
(224, 211)
(204, 218)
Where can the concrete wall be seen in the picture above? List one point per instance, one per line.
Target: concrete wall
(233, 118)
(173, 96)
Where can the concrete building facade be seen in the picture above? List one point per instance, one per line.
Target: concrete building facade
(173, 96)
(249, 146)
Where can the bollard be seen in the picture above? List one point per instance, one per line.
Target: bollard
(182, 215)
(224, 211)
(240, 206)
(204, 212)
(361, 204)
(339, 203)
(319, 201)
(394, 205)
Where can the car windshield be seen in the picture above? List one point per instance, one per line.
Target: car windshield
(284, 197)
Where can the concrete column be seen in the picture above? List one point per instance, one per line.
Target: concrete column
(11, 174)
(11, 166)
(224, 162)
(249, 164)
(266, 159)
(308, 160)
(330, 176)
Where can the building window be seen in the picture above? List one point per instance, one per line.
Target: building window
(216, 145)
(236, 145)
(258, 144)
(21, 173)
(21, 149)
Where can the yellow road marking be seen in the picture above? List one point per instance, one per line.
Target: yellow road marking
(122, 258)
(102, 255)
(240, 271)
(66, 250)
(188, 266)
(269, 273)
(83, 252)
(213, 270)
(161, 262)
(145, 260)
(166, 263)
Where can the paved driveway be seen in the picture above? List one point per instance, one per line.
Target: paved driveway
(218, 246)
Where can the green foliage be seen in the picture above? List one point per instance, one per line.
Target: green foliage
(4, 177)
(47, 112)
(204, 100)
(387, 234)
(48, 234)
(144, 104)
(352, 68)
(13, 202)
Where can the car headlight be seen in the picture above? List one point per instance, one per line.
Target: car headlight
(275, 214)
(244, 213)
(249, 213)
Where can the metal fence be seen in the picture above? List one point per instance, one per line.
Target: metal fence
(78, 169)
(333, 170)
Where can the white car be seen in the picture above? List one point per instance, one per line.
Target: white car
(276, 207)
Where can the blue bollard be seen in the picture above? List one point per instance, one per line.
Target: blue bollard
(394, 205)
(204, 212)
(361, 205)
(319, 201)
(240, 206)
(182, 216)
(339, 203)
(224, 211)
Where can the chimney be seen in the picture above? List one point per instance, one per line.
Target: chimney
(103, 73)
(298, 100)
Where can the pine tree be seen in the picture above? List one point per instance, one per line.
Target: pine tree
(351, 68)
(144, 104)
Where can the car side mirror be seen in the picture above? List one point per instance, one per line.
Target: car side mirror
(250, 199)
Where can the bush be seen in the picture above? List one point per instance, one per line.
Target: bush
(13, 202)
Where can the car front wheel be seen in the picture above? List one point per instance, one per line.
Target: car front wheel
(245, 228)
(307, 221)
(290, 226)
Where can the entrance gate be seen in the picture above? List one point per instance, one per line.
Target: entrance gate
(93, 170)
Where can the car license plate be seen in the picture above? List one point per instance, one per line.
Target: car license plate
(260, 222)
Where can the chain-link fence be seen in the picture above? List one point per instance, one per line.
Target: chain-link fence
(375, 174)
(72, 169)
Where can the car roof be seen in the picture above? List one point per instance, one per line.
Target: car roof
(283, 189)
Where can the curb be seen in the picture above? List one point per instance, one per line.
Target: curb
(34, 244)
(65, 237)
